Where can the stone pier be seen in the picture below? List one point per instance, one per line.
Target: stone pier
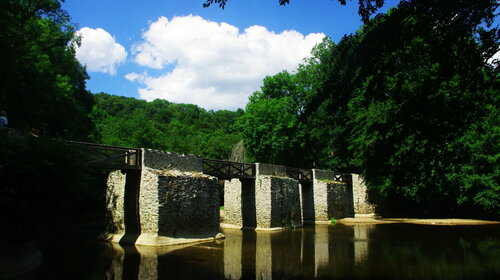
(271, 201)
(170, 201)
(363, 205)
(326, 200)
(239, 203)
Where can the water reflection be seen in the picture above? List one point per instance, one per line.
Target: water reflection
(233, 249)
(361, 237)
(322, 251)
(145, 262)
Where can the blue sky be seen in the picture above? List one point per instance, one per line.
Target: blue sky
(179, 51)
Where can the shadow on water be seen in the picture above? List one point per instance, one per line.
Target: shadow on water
(389, 251)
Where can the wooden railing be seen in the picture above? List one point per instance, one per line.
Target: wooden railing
(112, 157)
(225, 170)
(306, 175)
(123, 158)
(302, 175)
(341, 177)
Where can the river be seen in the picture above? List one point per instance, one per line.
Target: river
(364, 251)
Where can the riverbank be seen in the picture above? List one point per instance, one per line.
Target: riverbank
(378, 220)
(438, 222)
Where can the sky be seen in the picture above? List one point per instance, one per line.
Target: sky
(181, 52)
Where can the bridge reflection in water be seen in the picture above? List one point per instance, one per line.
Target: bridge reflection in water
(359, 251)
(302, 253)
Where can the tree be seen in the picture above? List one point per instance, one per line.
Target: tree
(159, 124)
(410, 99)
(271, 128)
(42, 85)
(366, 7)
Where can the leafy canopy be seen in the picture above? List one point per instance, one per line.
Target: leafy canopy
(42, 85)
(410, 101)
(159, 124)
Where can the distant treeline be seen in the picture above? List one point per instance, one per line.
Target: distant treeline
(159, 124)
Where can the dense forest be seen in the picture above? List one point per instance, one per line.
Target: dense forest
(410, 101)
(159, 124)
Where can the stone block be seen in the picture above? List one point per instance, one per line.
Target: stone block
(277, 202)
(361, 200)
(329, 196)
(232, 203)
(264, 169)
(239, 203)
(188, 206)
(161, 206)
(115, 195)
(162, 160)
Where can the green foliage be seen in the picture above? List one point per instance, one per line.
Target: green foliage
(409, 101)
(42, 83)
(416, 106)
(181, 128)
(275, 127)
(271, 128)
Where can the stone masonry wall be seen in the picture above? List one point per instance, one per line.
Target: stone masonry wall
(176, 202)
(233, 202)
(115, 195)
(285, 203)
(176, 199)
(337, 199)
(239, 203)
(362, 204)
(264, 169)
(277, 199)
(161, 160)
(188, 206)
(149, 201)
(330, 197)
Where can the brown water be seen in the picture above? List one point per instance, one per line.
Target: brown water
(387, 251)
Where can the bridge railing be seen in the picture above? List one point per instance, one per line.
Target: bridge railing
(112, 157)
(342, 177)
(306, 175)
(226, 170)
(302, 175)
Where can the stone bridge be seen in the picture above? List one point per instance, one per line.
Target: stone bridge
(166, 198)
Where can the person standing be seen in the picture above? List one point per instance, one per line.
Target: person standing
(3, 119)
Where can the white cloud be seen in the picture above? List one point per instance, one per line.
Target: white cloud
(494, 58)
(99, 51)
(214, 64)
